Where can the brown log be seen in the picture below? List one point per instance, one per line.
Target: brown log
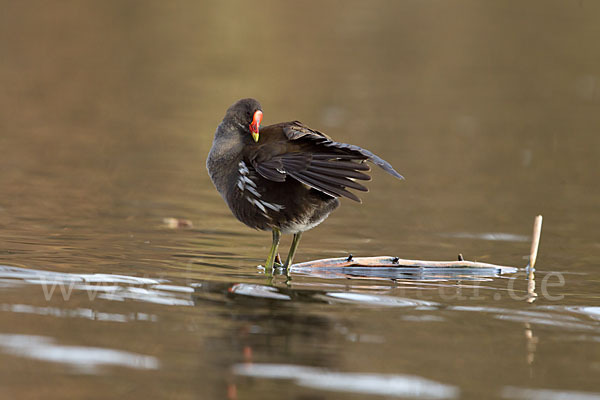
(395, 262)
(388, 262)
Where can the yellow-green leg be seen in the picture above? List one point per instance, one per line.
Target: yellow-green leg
(273, 252)
(292, 252)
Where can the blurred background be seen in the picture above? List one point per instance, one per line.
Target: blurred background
(107, 112)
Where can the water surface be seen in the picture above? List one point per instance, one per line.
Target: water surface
(107, 113)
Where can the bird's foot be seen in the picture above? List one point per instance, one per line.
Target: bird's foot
(278, 264)
(280, 267)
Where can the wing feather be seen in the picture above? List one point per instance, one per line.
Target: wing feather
(350, 165)
(380, 162)
(333, 171)
(327, 180)
(317, 161)
(330, 190)
(271, 169)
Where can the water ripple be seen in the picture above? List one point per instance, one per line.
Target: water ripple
(83, 359)
(396, 385)
(511, 392)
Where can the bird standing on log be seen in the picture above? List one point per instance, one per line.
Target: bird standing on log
(286, 177)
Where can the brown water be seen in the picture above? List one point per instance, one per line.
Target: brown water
(107, 110)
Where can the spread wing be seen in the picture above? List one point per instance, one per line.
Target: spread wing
(314, 159)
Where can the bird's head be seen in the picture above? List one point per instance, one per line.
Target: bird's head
(247, 115)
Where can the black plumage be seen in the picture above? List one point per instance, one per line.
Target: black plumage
(288, 177)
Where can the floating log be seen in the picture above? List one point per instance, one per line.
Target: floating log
(355, 263)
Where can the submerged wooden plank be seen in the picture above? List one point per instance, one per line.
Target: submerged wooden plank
(359, 265)
(398, 263)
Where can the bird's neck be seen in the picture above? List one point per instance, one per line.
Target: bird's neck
(225, 153)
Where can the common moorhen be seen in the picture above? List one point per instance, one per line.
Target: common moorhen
(288, 178)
